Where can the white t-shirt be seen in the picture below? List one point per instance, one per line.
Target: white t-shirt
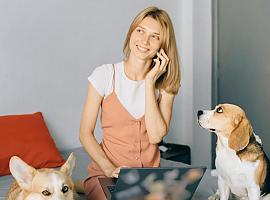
(130, 93)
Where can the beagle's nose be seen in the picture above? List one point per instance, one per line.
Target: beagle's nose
(200, 112)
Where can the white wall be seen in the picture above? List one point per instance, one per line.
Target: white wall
(196, 55)
(48, 48)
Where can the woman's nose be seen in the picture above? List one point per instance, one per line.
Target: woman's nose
(145, 39)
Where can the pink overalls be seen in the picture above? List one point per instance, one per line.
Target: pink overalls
(125, 142)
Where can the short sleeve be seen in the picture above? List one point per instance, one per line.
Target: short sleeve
(100, 79)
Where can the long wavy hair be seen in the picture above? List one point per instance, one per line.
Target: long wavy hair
(170, 80)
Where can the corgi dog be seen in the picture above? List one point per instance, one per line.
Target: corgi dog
(41, 184)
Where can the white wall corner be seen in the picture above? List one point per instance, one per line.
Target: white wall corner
(202, 78)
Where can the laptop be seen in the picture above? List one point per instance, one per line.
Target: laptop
(149, 183)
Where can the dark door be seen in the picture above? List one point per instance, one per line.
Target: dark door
(242, 60)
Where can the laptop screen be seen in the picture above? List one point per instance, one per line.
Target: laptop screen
(157, 183)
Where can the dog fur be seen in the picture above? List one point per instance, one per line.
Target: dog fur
(242, 166)
(41, 184)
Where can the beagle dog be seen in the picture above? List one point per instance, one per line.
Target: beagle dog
(242, 167)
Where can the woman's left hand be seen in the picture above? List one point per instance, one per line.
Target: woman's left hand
(159, 68)
(116, 171)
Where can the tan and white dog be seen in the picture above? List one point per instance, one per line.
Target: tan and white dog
(242, 167)
(49, 184)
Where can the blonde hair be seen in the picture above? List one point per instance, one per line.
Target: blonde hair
(170, 80)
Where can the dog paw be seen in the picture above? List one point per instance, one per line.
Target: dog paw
(214, 197)
(214, 173)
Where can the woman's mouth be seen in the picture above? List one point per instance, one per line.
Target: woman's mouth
(142, 49)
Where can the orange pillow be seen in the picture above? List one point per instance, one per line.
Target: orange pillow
(28, 137)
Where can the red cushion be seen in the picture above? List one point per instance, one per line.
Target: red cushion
(27, 137)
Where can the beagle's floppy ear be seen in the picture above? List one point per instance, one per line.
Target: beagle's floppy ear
(239, 137)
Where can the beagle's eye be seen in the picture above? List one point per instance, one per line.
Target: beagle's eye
(65, 189)
(46, 193)
(219, 110)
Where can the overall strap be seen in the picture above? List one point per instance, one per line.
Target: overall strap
(113, 77)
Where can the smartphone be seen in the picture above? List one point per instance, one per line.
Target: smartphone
(153, 60)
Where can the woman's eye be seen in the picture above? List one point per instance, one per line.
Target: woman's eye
(155, 37)
(46, 193)
(65, 189)
(139, 30)
(219, 110)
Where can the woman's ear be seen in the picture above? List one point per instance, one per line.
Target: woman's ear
(22, 172)
(239, 137)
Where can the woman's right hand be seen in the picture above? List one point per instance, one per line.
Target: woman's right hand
(160, 67)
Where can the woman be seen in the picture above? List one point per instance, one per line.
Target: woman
(136, 99)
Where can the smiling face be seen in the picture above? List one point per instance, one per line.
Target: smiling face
(145, 40)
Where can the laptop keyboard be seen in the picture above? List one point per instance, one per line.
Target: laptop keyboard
(111, 188)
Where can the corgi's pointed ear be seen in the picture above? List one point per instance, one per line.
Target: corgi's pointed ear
(69, 165)
(239, 137)
(22, 172)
